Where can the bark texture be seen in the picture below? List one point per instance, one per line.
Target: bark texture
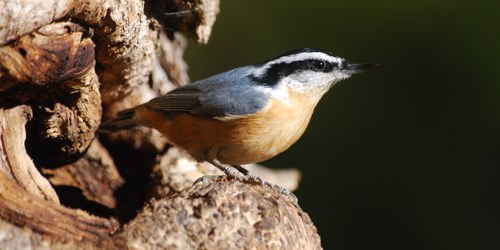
(204, 217)
(67, 65)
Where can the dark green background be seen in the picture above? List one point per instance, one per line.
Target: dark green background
(406, 156)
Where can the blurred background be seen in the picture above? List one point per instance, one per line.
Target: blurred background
(406, 156)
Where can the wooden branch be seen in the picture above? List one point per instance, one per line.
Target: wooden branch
(221, 215)
(15, 161)
(50, 219)
(15, 22)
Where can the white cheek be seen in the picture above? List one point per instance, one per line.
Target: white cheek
(314, 83)
(303, 80)
(311, 79)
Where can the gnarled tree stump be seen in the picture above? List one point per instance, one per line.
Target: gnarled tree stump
(65, 66)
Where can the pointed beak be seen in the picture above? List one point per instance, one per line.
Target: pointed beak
(351, 69)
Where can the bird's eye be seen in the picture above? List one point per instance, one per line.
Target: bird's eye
(319, 65)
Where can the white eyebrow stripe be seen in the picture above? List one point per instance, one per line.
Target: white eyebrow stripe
(298, 57)
(305, 56)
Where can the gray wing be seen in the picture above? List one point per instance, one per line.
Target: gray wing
(227, 94)
(180, 99)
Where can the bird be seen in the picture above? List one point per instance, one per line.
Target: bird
(245, 115)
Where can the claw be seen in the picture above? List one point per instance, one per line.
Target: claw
(206, 179)
(241, 174)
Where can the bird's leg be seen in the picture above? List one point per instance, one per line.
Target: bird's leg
(253, 178)
(249, 176)
(239, 173)
(228, 170)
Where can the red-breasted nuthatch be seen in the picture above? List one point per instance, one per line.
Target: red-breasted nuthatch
(245, 115)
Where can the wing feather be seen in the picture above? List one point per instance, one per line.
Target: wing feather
(223, 96)
(182, 99)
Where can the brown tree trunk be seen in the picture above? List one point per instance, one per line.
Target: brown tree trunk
(67, 65)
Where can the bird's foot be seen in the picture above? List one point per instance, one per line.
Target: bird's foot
(207, 179)
(241, 174)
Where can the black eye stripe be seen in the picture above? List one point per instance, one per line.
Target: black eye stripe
(322, 66)
(277, 71)
(314, 65)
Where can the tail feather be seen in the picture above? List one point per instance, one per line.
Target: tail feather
(123, 120)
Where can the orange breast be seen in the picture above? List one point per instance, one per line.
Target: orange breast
(237, 141)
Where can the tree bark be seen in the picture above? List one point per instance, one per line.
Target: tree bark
(67, 65)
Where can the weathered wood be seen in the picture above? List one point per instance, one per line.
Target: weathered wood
(94, 176)
(67, 65)
(221, 215)
(15, 161)
(49, 219)
(52, 71)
